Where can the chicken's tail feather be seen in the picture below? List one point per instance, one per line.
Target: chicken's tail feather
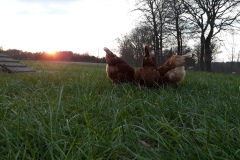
(146, 50)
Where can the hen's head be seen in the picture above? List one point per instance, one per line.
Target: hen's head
(110, 57)
(148, 59)
(108, 52)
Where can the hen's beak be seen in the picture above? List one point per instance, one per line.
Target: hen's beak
(107, 50)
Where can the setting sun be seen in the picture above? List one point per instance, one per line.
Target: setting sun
(51, 52)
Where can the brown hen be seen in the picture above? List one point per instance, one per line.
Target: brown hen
(117, 69)
(147, 74)
(173, 70)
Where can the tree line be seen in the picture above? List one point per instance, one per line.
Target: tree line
(169, 24)
(58, 56)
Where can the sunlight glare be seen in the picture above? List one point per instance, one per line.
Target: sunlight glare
(51, 52)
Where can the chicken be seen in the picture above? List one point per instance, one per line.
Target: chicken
(147, 74)
(173, 70)
(117, 69)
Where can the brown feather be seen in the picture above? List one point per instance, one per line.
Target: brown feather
(117, 69)
(147, 74)
(173, 70)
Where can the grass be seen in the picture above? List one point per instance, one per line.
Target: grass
(70, 111)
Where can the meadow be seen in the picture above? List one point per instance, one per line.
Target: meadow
(71, 111)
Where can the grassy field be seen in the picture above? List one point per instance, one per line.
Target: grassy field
(70, 111)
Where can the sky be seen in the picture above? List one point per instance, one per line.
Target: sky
(79, 26)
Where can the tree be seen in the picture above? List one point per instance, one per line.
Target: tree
(131, 45)
(176, 23)
(139, 36)
(166, 21)
(211, 17)
(215, 50)
(162, 8)
(154, 12)
(126, 49)
(149, 9)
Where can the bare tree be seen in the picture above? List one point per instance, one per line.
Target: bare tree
(139, 36)
(162, 8)
(131, 45)
(175, 23)
(211, 17)
(215, 50)
(126, 50)
(176, 6)
(147, 7)
(154, 12)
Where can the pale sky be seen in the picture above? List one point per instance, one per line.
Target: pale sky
(230, 46)
(64, 25)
